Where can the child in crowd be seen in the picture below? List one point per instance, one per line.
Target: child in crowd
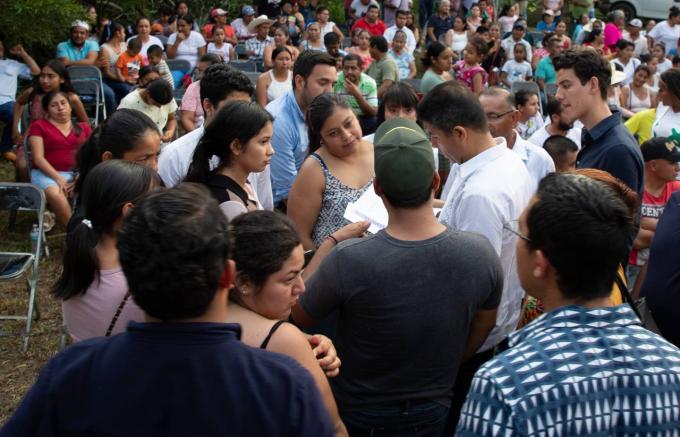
(332, 42)
(220, 47)
(518, 68)
(361, 40)
(468, 70)
(405, 61)
(129, 62)
(663, 63)
(563, 152)
(509, 14)
(155, 56)
(530, 119)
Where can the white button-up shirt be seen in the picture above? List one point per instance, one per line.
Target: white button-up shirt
(536, 159)
(485, 193)
(410, 37)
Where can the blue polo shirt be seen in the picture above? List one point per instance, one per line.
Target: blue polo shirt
(290, 142)
(66, 49)
(440, 25)
(171, 379)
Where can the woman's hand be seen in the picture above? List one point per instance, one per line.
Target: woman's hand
(17, 139)
(62, 184)
(325, 354)
(352, 230)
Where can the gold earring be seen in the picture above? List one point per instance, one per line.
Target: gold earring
(244, 291)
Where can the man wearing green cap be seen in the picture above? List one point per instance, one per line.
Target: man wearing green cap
(400, 293)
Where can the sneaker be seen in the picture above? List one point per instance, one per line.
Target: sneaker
(49, 220)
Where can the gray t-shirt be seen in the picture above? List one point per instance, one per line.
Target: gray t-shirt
(405, 311)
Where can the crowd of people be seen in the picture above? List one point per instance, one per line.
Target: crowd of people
(515, 274)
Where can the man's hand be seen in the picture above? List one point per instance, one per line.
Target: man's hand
(352, 89)
(326, 355)
(18, 50)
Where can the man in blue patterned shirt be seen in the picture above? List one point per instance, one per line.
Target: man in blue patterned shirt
(584, 367)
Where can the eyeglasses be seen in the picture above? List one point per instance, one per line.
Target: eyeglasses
(513, 226)
(496, 117)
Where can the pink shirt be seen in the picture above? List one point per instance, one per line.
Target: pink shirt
(465, 74)
(90, 314)
(191, 101)
(612, 35)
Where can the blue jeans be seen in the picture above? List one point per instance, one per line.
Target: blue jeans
(120, 90)
(413, 419)
(110, 100)
(425, 11)
(6, 116)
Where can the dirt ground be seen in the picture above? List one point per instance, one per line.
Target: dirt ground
(18, 370)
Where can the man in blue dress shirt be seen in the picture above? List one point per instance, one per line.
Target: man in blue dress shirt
(314, 73)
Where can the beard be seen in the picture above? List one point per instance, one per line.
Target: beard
(564, 126)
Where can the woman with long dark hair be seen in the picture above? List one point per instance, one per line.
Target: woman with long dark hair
(92, 286)
(338, 171)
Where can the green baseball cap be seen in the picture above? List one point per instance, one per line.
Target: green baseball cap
(404, 162)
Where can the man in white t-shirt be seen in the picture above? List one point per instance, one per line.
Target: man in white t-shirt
(632, 34)
(488, 188)
(400, 24)
(219, 85)
(499, 107)
(558, 126)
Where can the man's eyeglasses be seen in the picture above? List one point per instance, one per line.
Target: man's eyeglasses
(496, 117)
(513, 226)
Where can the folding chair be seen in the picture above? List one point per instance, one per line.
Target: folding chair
(529, 86)
(253, 76)
(538, 39)
(13, 265)
(415, 83)
(178, 68)
(90, 73)
(550, 89)
(240, 50)
(245, 66)
(91, 96)
(346, 42)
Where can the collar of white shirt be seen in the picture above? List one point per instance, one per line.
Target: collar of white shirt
(520, 148)
(470, 166)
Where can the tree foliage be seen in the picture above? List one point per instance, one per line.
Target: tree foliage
(38, 22)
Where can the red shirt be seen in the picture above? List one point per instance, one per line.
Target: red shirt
(375, 29)
(652, 207)
(60, 150)
(229, 32)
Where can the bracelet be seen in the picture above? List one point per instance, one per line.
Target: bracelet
(330, 237)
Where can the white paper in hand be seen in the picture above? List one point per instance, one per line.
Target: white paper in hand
(368, 207)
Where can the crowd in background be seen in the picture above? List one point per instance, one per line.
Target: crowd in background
(517, 273)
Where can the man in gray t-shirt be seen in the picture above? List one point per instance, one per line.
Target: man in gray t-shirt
(414, 299)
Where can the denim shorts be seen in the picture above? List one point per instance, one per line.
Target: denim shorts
(43, 181)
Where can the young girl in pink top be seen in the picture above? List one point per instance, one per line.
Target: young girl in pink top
(469, 71)
(92, 286)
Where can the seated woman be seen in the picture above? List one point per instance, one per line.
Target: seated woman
(92, 286)
(457, 38)
(53, 77)
(54, 142)
(277, 81)
(313, 39)
(239, 136)
(636, 96)
(281, 39)
(438, 61)
(111, 46)
(362, 47)
(185, 43)
(338, 171)
(269, 262)
(156, 100)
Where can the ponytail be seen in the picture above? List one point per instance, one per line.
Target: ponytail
(81, 265)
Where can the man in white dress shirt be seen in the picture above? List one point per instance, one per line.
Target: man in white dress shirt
(489, 188)
(502, 116)
(402, 16)
(558, 126)
(219, 85)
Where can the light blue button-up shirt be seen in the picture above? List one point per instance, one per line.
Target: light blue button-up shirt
(290, 142)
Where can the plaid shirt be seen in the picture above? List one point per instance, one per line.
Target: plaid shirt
(257, 46)
(577, 371)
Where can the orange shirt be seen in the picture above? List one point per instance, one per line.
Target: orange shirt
(129, 65)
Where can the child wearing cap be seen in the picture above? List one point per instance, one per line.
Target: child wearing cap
(662, 158)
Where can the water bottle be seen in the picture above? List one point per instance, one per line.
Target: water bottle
(35, 235)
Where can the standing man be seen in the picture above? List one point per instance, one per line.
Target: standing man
(400, 24)
(10, 70)
(502, 116)
(394, 308)
(583, 78)
(490, 187)
(80, 50)
(632, 34)
(314, 73)
(360, 91)
(517, 37)
(585, 367)
(392, 8)
(383, 69)
(439, 23)
(371, 22)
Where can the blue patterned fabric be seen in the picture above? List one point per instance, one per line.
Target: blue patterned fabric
(578, 371)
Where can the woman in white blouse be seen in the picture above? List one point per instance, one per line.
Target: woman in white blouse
(186, 44)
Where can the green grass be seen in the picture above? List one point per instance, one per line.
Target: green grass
(18, 370)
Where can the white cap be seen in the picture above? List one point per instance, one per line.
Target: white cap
(80, 23)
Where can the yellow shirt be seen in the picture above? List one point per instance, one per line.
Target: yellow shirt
(641, 123)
